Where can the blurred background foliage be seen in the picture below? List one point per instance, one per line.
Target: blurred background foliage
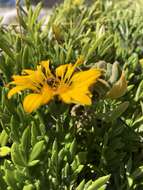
(74, 147)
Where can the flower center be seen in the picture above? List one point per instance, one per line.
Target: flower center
(52, 82)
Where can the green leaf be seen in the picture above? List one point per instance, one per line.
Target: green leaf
(116, 73)
(34, 134)
(81, 185)
(17, 156)
(88, 184)
(37, 150)
(138, 172)
(66, 170)
(99, 183)
(28, 187)
(14, 124)
(10, 179)
(18, 44)
(25, 57)
(33, 163)
(61, 156)
(55, 146)
(4, 151)
(35, 14)
(54, 159)
(139, 92)
(3, 138)
(78, 170)
(6, 47)
(117, 112)
(26, 141)
(73, 148)
(102, 188)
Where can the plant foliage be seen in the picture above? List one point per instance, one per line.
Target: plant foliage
(74, 147)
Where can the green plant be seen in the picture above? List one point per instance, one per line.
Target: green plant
(69, 147)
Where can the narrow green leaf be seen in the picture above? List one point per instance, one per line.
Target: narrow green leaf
(33, 163)
(17, 156)
(99, 183)
(25, 57)
(34, 134)
(138, 172)
(61, 155)
(88, 184)
(3, 138)
(14, 129)
(117, 112)
(28, 187)
(81, 185)
(139, 92)
(36, 151)
(55, 146)
(73, 148)
(26, 140)
(67, 170)
(6, 47)
(36, 13)
(10, 179)
(18, 44)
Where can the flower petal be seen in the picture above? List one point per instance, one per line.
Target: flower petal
(76, 96)
(78, 90)
(66, 71)
(28, 71)
(85, 79)
(62, 69)
(70, 71)
(28, 80)
(32, 102)
(37, 77)
(45, 65)
(47, 94)
(16, 90)
(20, 80)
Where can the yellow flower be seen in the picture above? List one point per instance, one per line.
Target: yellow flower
(68, 85)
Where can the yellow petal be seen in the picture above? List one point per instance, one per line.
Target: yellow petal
(32, 102)
(76, 96)
(119, 88)
(20, 80)
(25, 81)
(79, 61)
(71, 70)
(16, 90)
(28, 71)
(33, 76)
(85, 79)
(78, 91)
(45, 65)
(37, 77)
(66, 71)
(62, 69)
(47, 94)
